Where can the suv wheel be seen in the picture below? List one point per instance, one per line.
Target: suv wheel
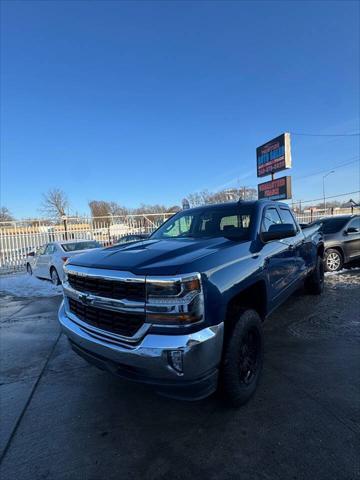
(314, 284)
(242, 359)
(333, 260)
(54, 276)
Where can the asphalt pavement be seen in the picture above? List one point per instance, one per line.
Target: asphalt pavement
(64, 419)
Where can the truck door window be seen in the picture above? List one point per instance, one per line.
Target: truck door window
(271, 217)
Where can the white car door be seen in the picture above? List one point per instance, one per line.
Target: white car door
(46, 260)
(38, 262)
(58, 260)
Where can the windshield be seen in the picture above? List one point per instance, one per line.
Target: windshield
(231, 222)
(332, 225)
(73, 247)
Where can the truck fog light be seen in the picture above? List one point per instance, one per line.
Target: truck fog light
(175, 359)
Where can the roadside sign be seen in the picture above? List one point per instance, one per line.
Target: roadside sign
(274, 156)
(279, 189)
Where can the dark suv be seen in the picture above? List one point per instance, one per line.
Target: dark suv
(342, 240)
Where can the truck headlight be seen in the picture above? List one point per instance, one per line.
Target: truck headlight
(174, 300)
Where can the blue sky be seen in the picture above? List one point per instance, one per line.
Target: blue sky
(145, 102)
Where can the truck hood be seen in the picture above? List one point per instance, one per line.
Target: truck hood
(153, 257)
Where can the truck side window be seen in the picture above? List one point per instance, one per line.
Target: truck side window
(235, 221)
(287, 217)
(271, 217)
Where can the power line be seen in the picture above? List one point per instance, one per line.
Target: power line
(321, 199)
(325, 134)
(330, 168)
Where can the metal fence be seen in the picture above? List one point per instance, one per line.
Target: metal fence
(312, 214)
(17, 239)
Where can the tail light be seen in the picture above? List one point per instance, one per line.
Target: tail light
(64, 259)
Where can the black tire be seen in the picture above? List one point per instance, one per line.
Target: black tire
(54, 276)
(29, 269)
(333, 260)
(314, 284)
(242, 359)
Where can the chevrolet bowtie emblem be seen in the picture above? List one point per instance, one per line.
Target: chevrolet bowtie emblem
(85, 299)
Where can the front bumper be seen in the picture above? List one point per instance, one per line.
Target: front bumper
(148, 361)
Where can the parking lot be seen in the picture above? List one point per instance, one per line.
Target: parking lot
(64, 419)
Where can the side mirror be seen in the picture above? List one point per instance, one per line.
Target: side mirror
(279, 231)
(352, 230)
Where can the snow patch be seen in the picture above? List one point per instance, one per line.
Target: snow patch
(24, 285)
(343, 271)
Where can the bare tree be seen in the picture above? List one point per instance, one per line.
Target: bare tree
(102, 208)
(228, 195)
(99, 208)
(117, 210)
(55, 203)
(5, 215)
(199, 198)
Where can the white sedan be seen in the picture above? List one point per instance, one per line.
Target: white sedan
(48, 260)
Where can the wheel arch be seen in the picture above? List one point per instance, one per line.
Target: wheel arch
(321, 250)
(252, 297)
(336, 247)
(53, 267)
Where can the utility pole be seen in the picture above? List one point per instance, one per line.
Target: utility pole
(326, 175)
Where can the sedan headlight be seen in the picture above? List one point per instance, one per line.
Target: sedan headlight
(174, 300)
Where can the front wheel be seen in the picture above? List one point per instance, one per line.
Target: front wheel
(242, 359)
(333, 260)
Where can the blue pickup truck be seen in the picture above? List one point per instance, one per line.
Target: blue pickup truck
(183, 310)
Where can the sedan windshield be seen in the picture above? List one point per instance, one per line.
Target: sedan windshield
(73, 247)
(231, 222)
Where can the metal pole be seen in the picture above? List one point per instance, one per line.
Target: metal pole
(65, 228)
(324, 176)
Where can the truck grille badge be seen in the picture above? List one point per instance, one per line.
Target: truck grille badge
(85, 299)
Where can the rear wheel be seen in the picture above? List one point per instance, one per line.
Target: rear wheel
(242, 359)
(333, 260)
(29, 269)
(54, 276)
(314, 284)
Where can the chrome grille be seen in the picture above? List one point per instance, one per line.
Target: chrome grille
(126, 324)
(117, 289)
